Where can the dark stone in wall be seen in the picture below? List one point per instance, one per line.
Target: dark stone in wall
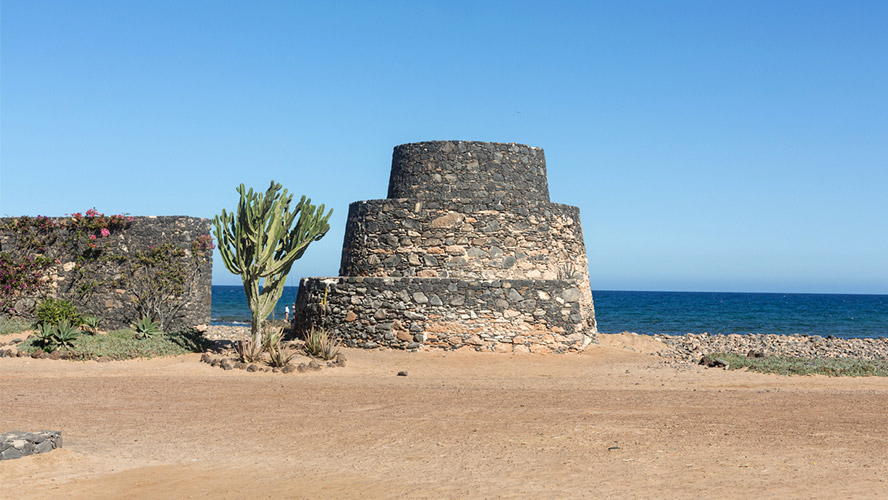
(113, 303)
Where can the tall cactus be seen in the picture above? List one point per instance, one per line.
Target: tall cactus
(257, 243)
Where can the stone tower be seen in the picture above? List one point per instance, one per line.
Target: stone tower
(466, 250)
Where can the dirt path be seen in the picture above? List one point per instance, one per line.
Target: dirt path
(460, 425)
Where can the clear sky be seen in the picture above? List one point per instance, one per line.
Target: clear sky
(722, 146)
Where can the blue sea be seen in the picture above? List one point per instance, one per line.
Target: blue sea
(677, 313)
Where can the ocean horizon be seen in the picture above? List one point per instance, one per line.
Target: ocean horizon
(677, 313)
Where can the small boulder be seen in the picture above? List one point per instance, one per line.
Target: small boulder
(339, 360)
(713, 362)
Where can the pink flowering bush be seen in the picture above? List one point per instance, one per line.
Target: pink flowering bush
(25, 269)
(20, 276)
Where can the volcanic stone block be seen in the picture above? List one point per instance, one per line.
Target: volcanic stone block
(18, 444)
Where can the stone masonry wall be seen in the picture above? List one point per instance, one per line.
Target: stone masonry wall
(466, 250)
(104, 298)
(498, 315)
(486, 172)
(403, 238)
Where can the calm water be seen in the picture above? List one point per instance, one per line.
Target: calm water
(681, 312)
(230, 304)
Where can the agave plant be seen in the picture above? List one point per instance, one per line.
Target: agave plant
(65, 334)
(278, 356)
(146, 328)
(320, 344)
(46, 337)
(248, 350)
(92, 323)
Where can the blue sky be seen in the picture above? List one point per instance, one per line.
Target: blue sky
(723, 146)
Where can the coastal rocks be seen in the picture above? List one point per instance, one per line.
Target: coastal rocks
(694, 348)
(18, 444)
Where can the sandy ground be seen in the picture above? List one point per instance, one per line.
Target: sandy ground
(608, 423)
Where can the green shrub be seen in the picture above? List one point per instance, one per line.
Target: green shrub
(124, 344)
(785, 365)
(10, 326)
(52, 311)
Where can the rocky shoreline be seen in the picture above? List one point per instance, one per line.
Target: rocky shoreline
(691, 348)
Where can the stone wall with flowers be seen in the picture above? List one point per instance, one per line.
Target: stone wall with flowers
(118, 268)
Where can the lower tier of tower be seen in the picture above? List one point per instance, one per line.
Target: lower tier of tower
(409, 313)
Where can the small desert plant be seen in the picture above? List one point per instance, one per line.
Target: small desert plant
(65, 334)
(146, 328)
(248, 350)
(278, 356)
(52, 311)
(45, 337)
(92, 323)
(320, 344)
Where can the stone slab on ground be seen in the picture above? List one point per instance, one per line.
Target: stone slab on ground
(17, 444)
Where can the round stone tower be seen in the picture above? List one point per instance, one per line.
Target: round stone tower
(466, 250)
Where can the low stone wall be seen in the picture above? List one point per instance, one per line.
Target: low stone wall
(18, 444)
(408, 313)
(93, 284)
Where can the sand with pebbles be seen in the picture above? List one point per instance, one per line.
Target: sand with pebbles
(611, 422)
